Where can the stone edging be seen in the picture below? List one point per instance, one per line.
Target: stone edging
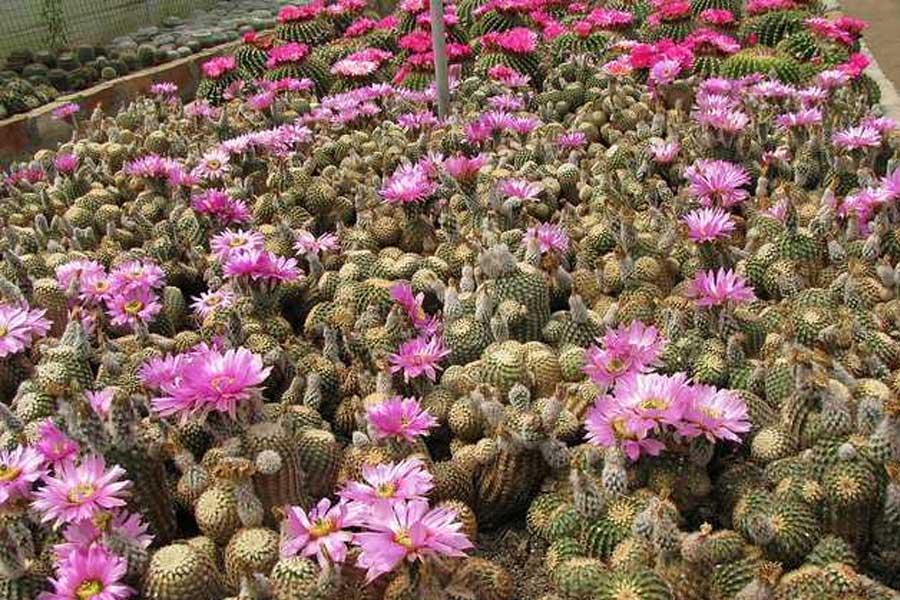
(23, 134)
(890, 99)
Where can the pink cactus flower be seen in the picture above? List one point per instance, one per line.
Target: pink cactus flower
(399, 418)
(718, 182)
(409, 531)
(212, 381)
(718, 288)
(20, 326)
(716, 414)
(549, 237)
(92, 573)
(418, 357)
(53, 444)
(708, 224)
(627, 349)
(389, 483)
(20, 468)
(77, 492)
(322, 532)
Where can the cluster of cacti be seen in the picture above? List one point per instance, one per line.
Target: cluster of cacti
(614, 329)
(29, 79)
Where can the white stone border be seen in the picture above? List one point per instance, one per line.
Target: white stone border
(890, 99)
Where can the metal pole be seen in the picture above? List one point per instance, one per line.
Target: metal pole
(439, 44)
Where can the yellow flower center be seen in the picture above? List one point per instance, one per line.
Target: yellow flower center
(621, 429)
(654, 403)
(321, 528)
(101, 285)
(212, 301)
(133, 307)
(9, 473)
(88, 589)
(236, 242)
(711, 412)
(220, 382)
(3, 331)
(615, 365)
(81, 493)
(386, 490)
(213, 164)
(403, 539)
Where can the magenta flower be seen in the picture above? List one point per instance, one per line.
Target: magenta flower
(66, 110)
(801, 118)
(307, 243)
(76, 270)
(891, 185)
(287, 53)
(717, 288)
(550, 238)
(726, 120)
(664, 72)
(74, 493)
(65, 163)
(130, 308)
(883, 125)
(419, 357)
(218, 204)
(164, 89)
(95, 287)
(153, 166)
(92, 573)
(19, 470)
(219, 66)
(230, 242)
(519, 40)
(717, 16)
(321, 533)
(522, 125)
(409, 531)
(208, 302)
(424, 119)
(261, 101)
(571, 140)
(402, 294)
(399, 418)
(20, 326)
(202, 110)
(508, 76)
(610, 425)
(663, 152)
(756, 7)
(137, 274)
(361, 63)
(856, 138)
(463, 168)
(53, 444)
(85, 534)
(716, 414)
(506, 102)
(159, 371)
(605, 18)
(210, 381)
(708, 224)
(520, 189)
(652, 400)
(261, 264)
(101, 400)
(389, 483)
(409, 184)
(628, 349)
(717, 181)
